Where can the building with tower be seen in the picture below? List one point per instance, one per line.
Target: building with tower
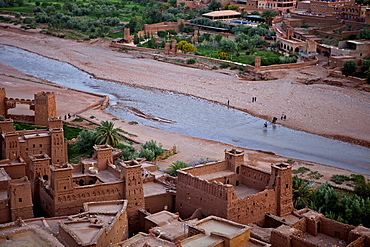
(233, 190)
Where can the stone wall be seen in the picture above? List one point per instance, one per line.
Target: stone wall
(207, 168)
(297, 241)
(301, 224)
(22, 118)
(252, 208)
(360, 242)
(335, 229)
(194, 193)
(157, 203)
(254, 178)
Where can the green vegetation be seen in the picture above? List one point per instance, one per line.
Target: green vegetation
(349, 67)
(347, 207)
(107, 134)
(26, 126)
(301, 170)
(172, 170)
(71, 132)
(149, 150)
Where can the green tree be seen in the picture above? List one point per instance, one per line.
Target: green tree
(365, 33)
(176, 166)
(161, 34)
(136, 39)
(186, 47)
(349, 67)
(107, 134)
(214, 5)
(153, 146)
(85, 143)
(302, 191)
(325, 199)
(228, 45)
(269, 14)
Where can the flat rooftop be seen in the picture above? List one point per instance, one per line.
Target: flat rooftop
(151, 189)
(222, 13)
(213, 225)
(27, 236)
(324, 240)
(201, 240)
(105, 207)
(162, 216)
(243, 191)
(216, 175)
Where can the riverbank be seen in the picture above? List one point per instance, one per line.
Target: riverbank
(334, 112)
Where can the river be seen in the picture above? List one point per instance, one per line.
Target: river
(192, 116)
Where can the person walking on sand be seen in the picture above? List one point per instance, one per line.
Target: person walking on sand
(265, 124)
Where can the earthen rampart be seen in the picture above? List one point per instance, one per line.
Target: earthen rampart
(252, 208)
(335, 229)
(207, 168)
(254, 177)
(210, 196)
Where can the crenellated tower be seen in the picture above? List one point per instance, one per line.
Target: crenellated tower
(282, 175)
(131, 174)
(45, 108)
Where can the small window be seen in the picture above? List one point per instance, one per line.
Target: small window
(65, 187)
(40, 145)
(287, 186)
(20, 199)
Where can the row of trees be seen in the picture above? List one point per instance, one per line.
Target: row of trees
(349, 208)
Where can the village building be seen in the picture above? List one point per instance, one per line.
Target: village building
(234, 190)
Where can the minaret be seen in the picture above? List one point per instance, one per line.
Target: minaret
(133, 192)
(45, 108)
(283, 186)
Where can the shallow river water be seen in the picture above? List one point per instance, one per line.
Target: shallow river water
(193, 116)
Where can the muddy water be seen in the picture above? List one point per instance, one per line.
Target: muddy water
(193, 116)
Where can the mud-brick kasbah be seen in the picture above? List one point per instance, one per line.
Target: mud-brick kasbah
(46, 201)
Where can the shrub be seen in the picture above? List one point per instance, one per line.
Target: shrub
(224, 65)
(191, 61)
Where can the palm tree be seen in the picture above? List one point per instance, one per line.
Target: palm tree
(176, 166)
(107, 134)
(302, 191)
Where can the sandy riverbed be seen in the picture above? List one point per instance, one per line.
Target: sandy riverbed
(337, 112)
(320, 109)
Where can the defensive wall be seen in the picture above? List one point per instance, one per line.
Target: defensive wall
(254, 177)
(72, 201)
(252, 209)
(210, 196)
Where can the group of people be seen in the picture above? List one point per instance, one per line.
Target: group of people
(274, 119)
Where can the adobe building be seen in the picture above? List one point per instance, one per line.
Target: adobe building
(215, 231)
(101, 224)
(15, 198)
(43, 105)
(235, 191)
(313, 229)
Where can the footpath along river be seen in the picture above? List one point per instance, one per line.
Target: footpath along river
(192, 116)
